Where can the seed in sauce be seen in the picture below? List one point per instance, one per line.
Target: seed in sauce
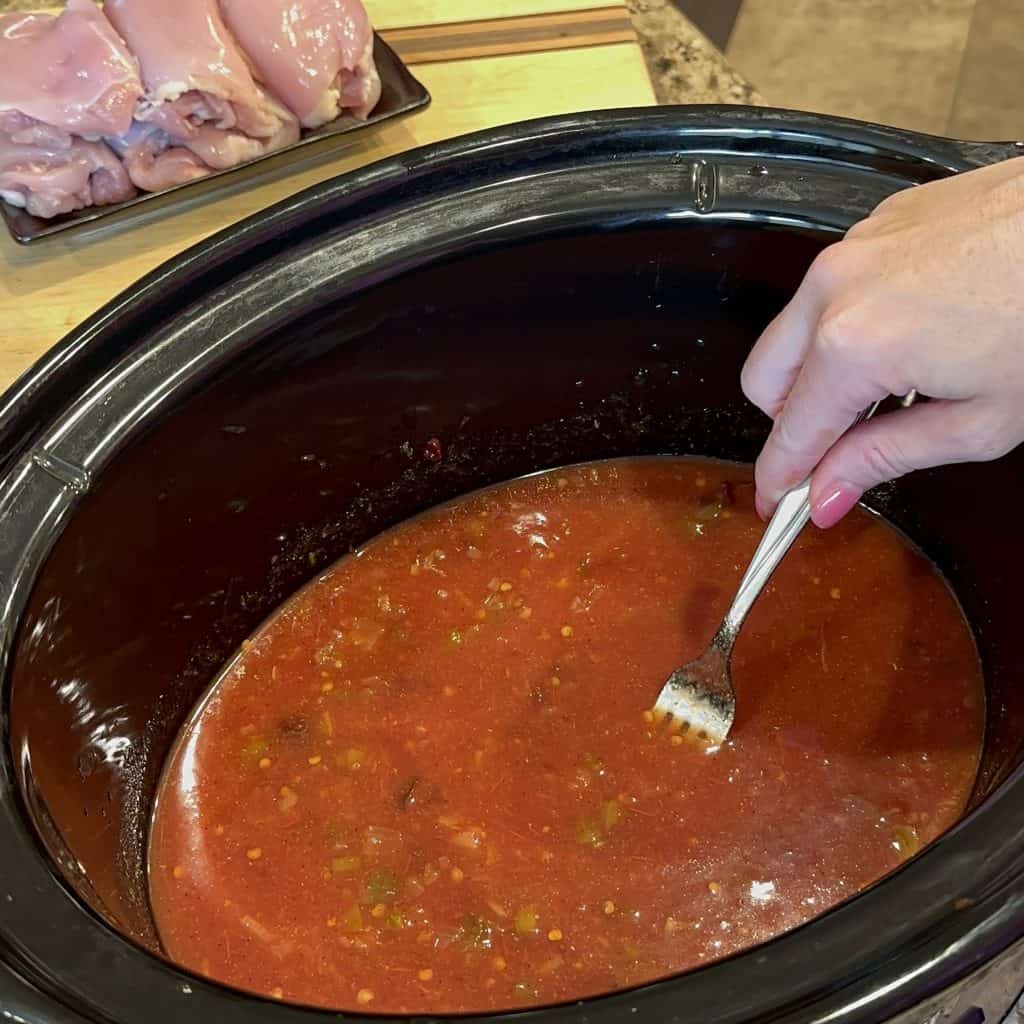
(494, 805)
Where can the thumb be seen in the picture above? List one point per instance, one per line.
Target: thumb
(887, 447)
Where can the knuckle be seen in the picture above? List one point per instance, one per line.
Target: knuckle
(885, 460)
(750, 385)
(883, 209)
(841, 336)
(840, 263)
(755, 386)
(863, 229)
(893, 204)
(829, 266)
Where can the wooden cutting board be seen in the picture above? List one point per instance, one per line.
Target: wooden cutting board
(523, 59)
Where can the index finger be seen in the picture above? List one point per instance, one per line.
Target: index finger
(775, 360)
(829, 393)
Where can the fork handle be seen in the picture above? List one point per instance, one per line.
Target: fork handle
(791, 516)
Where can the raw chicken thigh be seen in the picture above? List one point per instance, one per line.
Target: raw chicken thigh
(202, 109)
(153, 160)
(150, 94)
(65, 82)
(317, 55)
(70, 71)
(49, 172)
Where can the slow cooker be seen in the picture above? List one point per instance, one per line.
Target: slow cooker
(546, 293)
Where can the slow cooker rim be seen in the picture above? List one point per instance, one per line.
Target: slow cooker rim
(650, 127)
(145, 296)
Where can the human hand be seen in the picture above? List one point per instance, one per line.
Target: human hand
(926, 293)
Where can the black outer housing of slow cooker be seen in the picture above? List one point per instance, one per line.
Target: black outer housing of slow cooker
(938, 940)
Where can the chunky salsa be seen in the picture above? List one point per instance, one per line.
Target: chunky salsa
(431, 781)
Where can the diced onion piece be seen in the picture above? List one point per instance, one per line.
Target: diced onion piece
(469, 839)
(526, 920)
(345, 865)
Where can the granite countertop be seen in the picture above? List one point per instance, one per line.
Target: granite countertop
(684, 66)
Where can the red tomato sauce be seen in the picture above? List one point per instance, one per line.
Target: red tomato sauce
(430, 782)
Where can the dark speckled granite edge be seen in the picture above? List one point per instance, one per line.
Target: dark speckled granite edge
(685, 66)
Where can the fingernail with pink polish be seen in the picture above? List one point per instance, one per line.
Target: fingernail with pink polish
(834, 503)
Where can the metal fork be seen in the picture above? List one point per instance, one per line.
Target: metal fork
(698, 698)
